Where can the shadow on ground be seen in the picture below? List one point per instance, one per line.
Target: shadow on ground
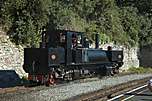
(9, 78)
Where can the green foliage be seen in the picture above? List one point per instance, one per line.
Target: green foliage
(144, 6)
(130, 22)
(140, 70)
(143, 18)
(122, 21)
(145, 34)
(23, 19)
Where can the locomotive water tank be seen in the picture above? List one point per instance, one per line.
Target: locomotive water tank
(91, 56)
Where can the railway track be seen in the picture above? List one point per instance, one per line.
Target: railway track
(33, 87)
(112, 93)
(128, 95)
(72, 91)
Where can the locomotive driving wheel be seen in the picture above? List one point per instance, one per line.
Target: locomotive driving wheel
(69, 75)
(50, 80)
(109, 71)
(116, 71)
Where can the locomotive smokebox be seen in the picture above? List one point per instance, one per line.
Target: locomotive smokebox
(97, 40)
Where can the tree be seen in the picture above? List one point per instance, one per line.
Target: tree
(122, 21)
(23, 19)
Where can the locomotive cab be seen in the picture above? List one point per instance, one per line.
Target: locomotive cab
(56, 50)
(68, 42)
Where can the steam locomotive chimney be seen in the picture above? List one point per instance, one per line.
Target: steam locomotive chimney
(97, 40)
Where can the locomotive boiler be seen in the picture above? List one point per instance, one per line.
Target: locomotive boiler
(66, 55)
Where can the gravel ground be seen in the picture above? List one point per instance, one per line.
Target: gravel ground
(60, 93)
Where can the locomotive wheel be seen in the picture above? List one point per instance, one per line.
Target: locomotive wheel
(51, 80)
(109, 71)
(69, 76)
(116, 71)
(112, 72)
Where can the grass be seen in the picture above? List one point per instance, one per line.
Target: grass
(140, 70)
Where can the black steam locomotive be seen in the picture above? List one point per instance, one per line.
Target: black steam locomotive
(66, 55)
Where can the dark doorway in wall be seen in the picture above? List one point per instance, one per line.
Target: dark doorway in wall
(145, 56)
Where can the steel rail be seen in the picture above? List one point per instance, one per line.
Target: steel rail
(121, 95)
(108, 93)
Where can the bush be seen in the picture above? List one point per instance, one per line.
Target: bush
(121, 21)
(23, 19)
(140, 70)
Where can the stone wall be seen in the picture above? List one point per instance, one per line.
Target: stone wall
(11, 56)
(131, 57)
